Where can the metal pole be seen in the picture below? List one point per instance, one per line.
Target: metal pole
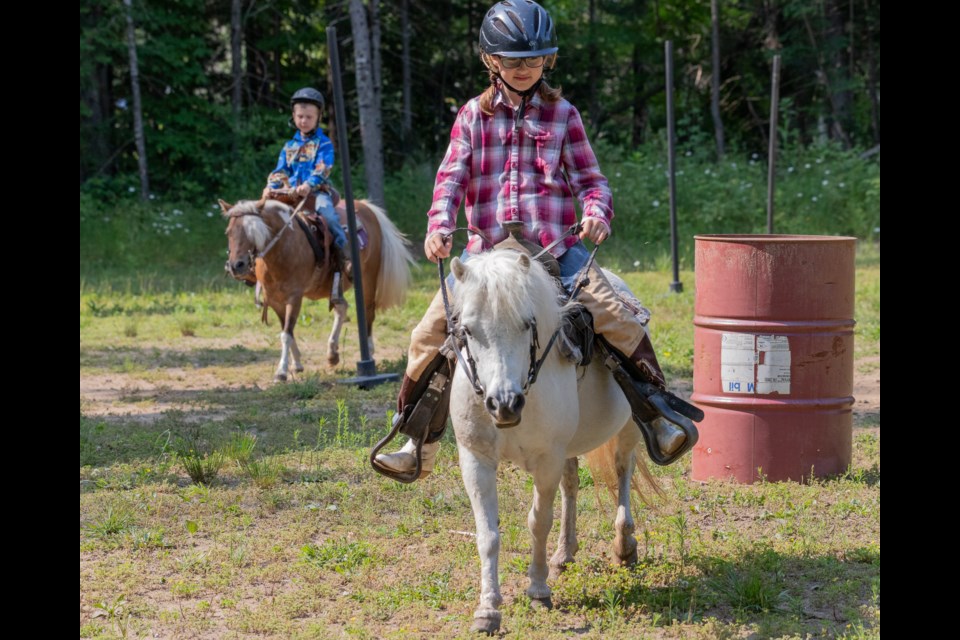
(772, 151)
(676, 286)
(366, 367)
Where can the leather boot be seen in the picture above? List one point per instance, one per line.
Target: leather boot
(342, 261)
(340, 266)
(405, 460)
(422, 410)
(646, 363)
(670, 437)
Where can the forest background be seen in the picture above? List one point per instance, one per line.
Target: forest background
(185, 101)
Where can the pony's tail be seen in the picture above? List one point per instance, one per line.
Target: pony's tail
(395, 260)
(602, 462)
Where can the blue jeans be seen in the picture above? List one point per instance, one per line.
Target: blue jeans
(571, 262)
(325, 208)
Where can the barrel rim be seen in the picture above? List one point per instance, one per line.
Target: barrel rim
(769, 237)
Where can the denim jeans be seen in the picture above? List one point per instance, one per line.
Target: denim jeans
(325, 208)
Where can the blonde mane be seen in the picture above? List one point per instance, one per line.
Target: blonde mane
(252, 219)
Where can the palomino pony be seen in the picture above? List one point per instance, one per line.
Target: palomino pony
(266, 242)
(504, 409)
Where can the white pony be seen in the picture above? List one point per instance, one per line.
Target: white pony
(504, 300)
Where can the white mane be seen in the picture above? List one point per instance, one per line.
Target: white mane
(507, 293)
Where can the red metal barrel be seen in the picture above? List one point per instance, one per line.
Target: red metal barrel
(773, 356)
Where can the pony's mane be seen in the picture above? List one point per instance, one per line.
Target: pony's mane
(251, 217)
(509, 294)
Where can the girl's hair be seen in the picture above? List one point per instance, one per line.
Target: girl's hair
(545, 91)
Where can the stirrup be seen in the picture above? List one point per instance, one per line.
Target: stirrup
(648, 402)
(415, 426)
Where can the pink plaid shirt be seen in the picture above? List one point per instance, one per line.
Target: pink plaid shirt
(532, 176)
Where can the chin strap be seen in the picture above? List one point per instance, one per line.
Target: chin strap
(524, 98)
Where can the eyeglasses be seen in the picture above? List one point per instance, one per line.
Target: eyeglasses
(514, 63)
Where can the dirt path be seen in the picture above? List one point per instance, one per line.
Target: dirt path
(144, 396)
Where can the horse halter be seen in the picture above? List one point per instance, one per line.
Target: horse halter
(459, 336)
(251, 255)
(461, 344)
(458, 333)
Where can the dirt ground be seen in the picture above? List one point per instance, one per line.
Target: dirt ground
(134, 396)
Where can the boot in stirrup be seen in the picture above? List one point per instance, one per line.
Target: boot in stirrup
(666, 421)
(422, 410)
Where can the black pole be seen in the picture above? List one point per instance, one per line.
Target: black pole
(676, 286)
(366, 367)
(772, 150)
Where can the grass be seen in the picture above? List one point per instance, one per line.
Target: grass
(296, 537)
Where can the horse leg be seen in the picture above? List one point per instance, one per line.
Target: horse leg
(371, 315)
(546, 479)
(295, 355)
(333, 342)
(567, 544)
(480, 481)
(624, 542)
(291, 311)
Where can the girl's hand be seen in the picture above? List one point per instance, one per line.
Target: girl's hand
(594, 230)
(303, 189)
(437, 246)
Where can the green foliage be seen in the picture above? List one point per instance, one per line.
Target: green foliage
(342, 556)
(611, 66)
(820, 191)
(199, 458)
(117, 519)
(240, 448)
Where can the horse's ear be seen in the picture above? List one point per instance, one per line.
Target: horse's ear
(225, 206)
(458, 268)
(524, 261)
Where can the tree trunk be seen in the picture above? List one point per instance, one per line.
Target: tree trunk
(406, 122)
(839, 86)
(370, 132)
(137, 104)
(872, 80)
(639, 99)
(715, 78)
(374, 14)
(640, 96)
(236, 71)
(771, 42)
(835, 129)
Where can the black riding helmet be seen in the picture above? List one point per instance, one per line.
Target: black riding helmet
(307, 95)
(518, 29)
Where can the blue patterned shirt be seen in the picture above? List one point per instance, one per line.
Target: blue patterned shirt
(302, 160)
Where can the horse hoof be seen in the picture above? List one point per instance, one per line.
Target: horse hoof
(486, 626)
(541, 604)
(298, 370)
(626, 557)
(280, 377)
(333, 360)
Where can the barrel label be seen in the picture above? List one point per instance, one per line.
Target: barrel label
(755, 364)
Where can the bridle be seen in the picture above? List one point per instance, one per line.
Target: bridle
(459, 336)
(253, 255)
